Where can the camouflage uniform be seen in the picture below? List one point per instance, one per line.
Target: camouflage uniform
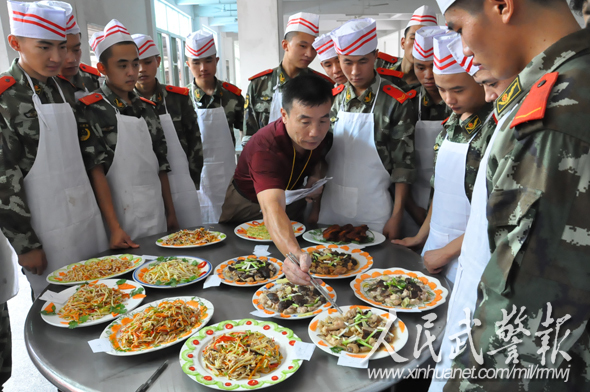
(5, 345)
(185, 122)
(100, 119)
(87, 79)
(231, 102)
(385, 62)
(539, 231)
(462, 132)
(394, 129)
(431, 111)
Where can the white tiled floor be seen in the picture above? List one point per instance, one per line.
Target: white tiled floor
(25, 376)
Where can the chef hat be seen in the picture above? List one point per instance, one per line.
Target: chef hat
(304, 22)
(445, 4)
(456, 49)
(34, 20)
(114, 33)
(444, 62)
(145, 46)
(424, 16)
(356, 37)
(200, 44)
(324, 46)
(423, 49)
(71, 25)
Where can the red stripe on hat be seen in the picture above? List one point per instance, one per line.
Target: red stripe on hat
(427, 53)
(122, 31)
(443, 67)
(37, 17)
(117, 26)
(443, 60)
(325, 49)
(301, 20)
(351, 50)
(147, 42)
(149, 46)
(341, 51)
(191, 50)
(40, 25)
(206, 47)
(71, 26)
(424, 18)
(321, 47)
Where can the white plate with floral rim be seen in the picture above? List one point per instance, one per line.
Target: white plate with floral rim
(365, 261)
(192, 363)
(134, 291)
(220, 271)
(273, 286)
(203, 265)
(316, 237)
(112, 331)
(439, 292)
(132, 261)
(258, 225)
(400, 332)
(219, 238)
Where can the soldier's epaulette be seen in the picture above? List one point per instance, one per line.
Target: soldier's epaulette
(231, 88)
(390, 72)
(411, 94)
(177, 90)
(147, 101)
(445, 120)
(268, 71)
(91, 98)
(5, 83)
(323, 76)
(338, 90)
(396, 93)
(89, 69)
(387, 57)
(63, 78)
(535, 104)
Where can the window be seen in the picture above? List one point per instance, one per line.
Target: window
(172, 26)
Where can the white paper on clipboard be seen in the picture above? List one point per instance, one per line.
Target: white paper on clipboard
(293, 196)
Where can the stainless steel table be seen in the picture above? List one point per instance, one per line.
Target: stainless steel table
(64, 357)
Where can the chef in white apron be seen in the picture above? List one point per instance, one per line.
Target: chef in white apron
(182, 186)
(218, 147)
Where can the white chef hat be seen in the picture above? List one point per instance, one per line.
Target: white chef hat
(114, 33)
(356, 37)
(304, 22)
(324, 46)
(456, 49)
(444, 62)
(34, 20)
(424, 16)
(200, 44)
(71, 25)
(145, 46)
(444, 5)
(423, 49)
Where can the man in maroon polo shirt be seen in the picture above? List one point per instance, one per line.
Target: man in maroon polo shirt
(279, 157)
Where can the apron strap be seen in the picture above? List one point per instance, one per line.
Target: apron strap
(420, 107)
(107, 101)
(59, 89)
(165, 106)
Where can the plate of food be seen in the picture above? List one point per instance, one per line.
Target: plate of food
(337, 261)
(286, 300)
(359, 236)
(240, 355)
(356, 332)
(157, 325)
(94, 303)
(191, 238)
(93, 269)
(249, 270)
(256, 230)
(399, 289)
(171, 272)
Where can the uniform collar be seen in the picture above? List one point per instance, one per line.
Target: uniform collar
(159, 93)
(20, 76)
(471, 125)
(115, 100)
(282, 77)
(199, 94)
(368, 96)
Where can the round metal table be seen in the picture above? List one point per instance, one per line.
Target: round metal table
(64, 357)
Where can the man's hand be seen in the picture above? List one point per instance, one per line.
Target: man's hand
(392, 228)
(295, 274)
(409, 242)
(435, 260)
(172, 222)
(33, 261)
(121, 240)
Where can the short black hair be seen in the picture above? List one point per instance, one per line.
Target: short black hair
(310, 90)
(108, 53)
(475, 6)
(289, 36)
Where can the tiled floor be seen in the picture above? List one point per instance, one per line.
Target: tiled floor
(25, 376)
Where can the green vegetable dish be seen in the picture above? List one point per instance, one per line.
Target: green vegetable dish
(391, 290)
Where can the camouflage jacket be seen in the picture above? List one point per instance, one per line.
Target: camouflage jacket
(476, 131)
(99, 118)
(387, 62)
(176, 102)
(18, 149)
(87, 79)
(227, 96)
(425, 108)
(538, 185)
(394, 129)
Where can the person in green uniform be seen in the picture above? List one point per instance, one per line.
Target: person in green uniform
(324, 46)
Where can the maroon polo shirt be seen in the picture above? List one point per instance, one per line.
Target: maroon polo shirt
(267, 160)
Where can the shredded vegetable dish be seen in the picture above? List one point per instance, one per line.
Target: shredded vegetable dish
(171, 271)
(198, 236)
(98, 269)
(242, 355)
(156, 325)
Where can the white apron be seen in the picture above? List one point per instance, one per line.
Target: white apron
(219, 164)
(182, 187)
(8, 270)
(359, 191)
(275, 105)
(68, 223)
(475, 255)
(133, 178)
(450, 205)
